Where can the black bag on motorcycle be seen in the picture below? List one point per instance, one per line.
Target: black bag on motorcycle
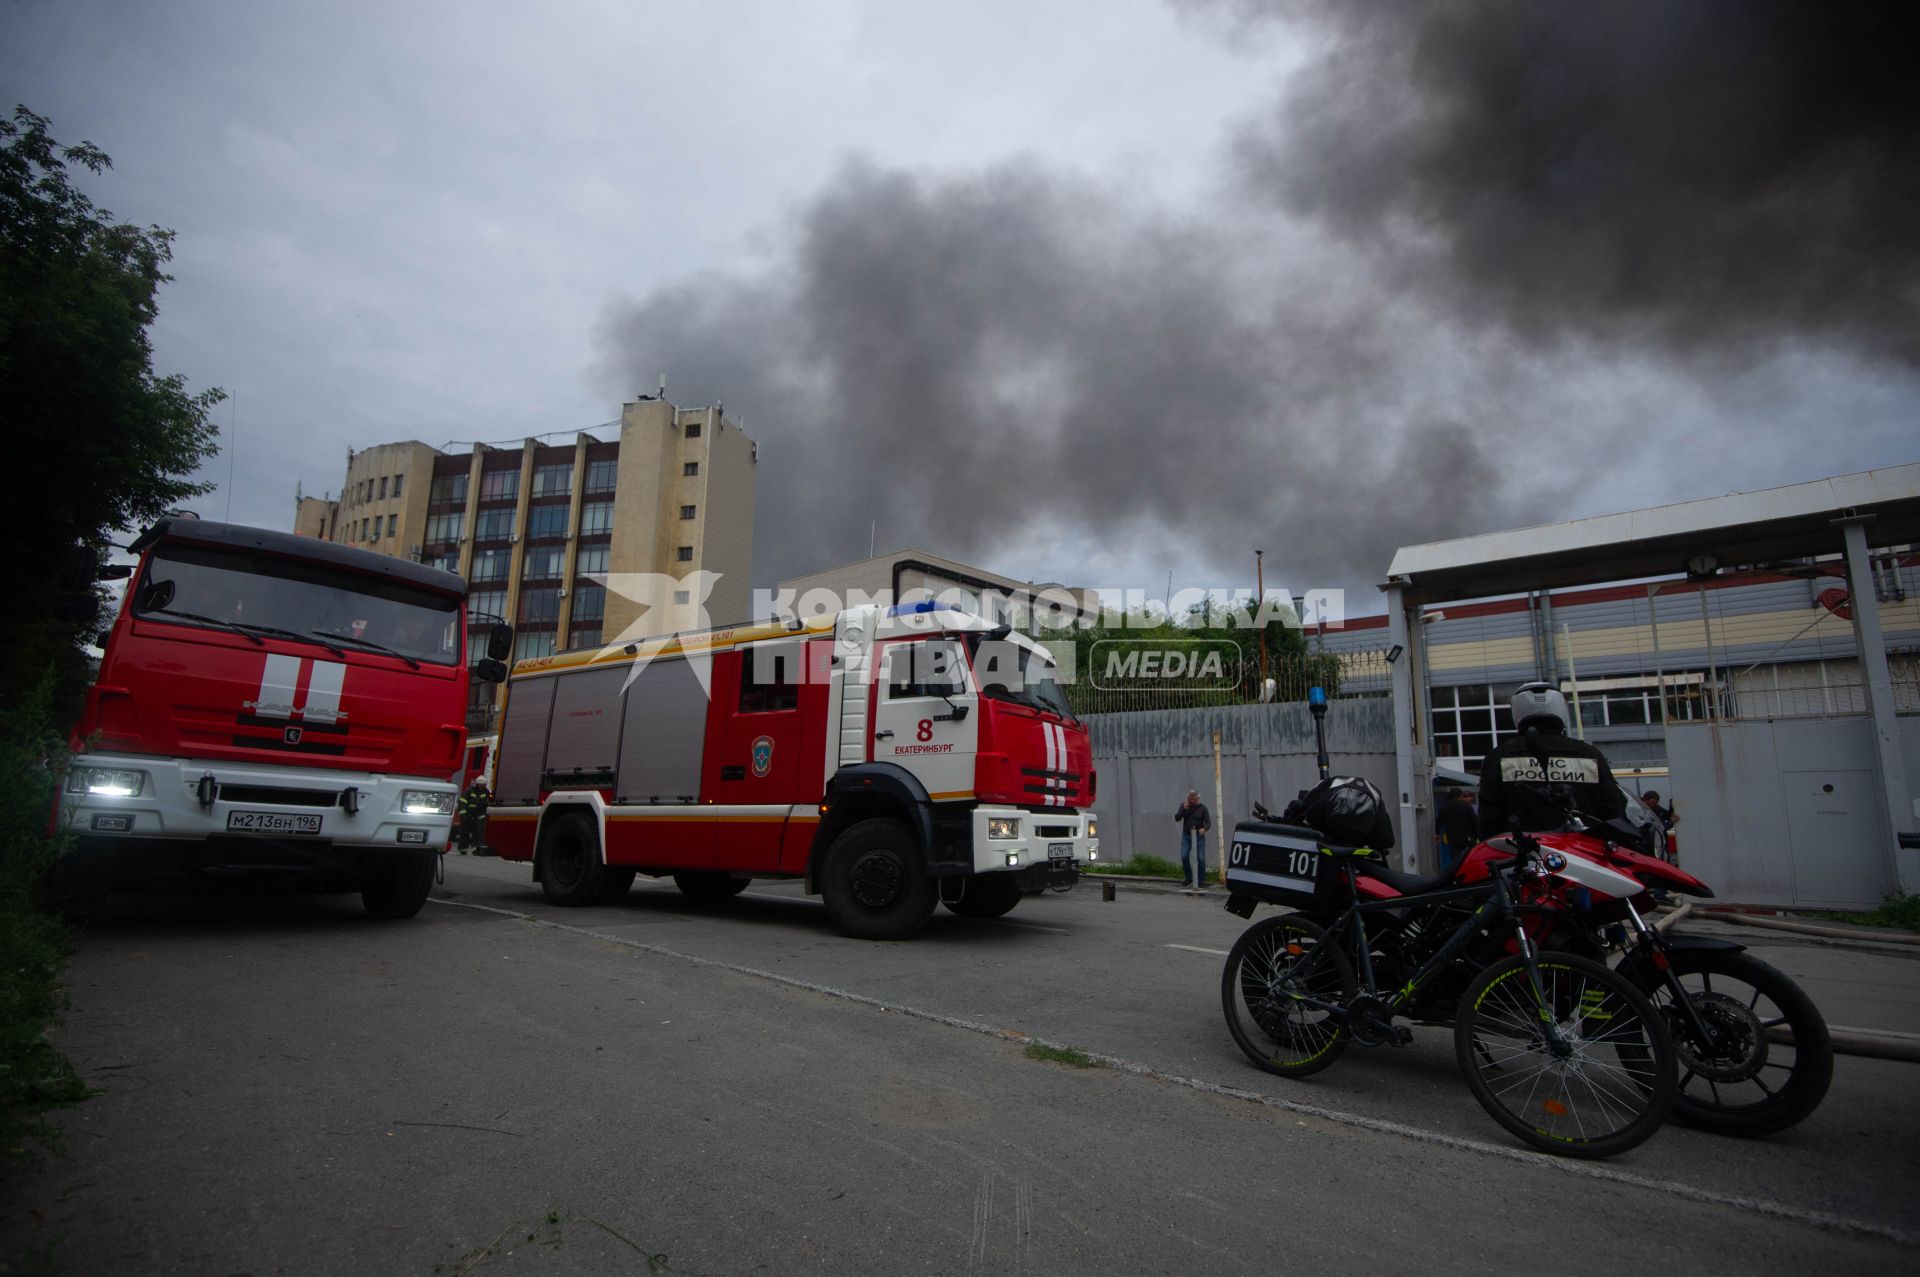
(1347, 811)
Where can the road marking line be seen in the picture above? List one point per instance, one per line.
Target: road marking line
(1382, 1126)
(1194, 948)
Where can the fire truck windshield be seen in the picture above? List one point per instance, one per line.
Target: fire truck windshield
(262, 594)
(1007, 671)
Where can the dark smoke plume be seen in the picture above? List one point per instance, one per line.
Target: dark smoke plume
(1467, 248)
(1710, 178)
(1022, 368)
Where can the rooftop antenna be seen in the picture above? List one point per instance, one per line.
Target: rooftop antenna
(663, 385)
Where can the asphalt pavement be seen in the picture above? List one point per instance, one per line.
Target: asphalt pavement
(657, 1086)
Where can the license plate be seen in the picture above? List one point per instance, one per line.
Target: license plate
(272, 822)
(1059, 851)
(113, 824)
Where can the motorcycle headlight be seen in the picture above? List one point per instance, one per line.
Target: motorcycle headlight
(106, 782)
(427, 802)
(1003, 827)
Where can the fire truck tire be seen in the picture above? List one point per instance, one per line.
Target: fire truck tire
(875, 882)
(395, 884)
(708, 885)
(986, 896)
(616, 881)
(572, 872)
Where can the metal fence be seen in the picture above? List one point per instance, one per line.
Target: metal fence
(1344, 675)
(1819, 689)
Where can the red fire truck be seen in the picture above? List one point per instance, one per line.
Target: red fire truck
(890, 757)
(277, 708)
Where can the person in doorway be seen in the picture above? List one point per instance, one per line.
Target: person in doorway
(1540, 774)
(1652, 799)
(1458, 825)
(1194, 821)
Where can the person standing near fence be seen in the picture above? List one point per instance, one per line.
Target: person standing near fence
(1458, 825)
(1194, 821)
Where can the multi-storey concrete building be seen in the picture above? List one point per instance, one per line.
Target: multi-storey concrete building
(578, 543)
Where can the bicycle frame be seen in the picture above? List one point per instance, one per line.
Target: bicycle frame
(1496, 908)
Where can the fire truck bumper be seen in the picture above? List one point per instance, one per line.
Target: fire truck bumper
(141, 807)
(1052, 843)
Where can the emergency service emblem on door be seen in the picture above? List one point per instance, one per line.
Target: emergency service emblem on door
(762, 755)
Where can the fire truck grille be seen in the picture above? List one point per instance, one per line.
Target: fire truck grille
(225, 733)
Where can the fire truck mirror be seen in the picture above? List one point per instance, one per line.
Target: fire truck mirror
(499, 645)
(489, 670)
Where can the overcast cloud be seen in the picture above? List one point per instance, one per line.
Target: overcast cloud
(1085, 291)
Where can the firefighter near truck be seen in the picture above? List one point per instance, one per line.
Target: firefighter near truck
(891, 758)
(274, 709)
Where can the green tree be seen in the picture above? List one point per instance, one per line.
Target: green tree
(98, 441)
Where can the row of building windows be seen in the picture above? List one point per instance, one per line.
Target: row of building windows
(369, 529)
(1469, 719)
(504, 485)
(365, 491)
(542, 562)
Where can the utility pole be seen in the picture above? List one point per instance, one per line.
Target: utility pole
(1259, 602)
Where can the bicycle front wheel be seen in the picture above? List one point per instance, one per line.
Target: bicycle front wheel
(1272, 966)
(1605, 1084)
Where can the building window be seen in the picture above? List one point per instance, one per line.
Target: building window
(490, 565)
(543, 563)
(1468, 720)
(499, 485)
(689, 468)
(552, 481)
(600, 475)
(376, 527)
(398, 480)
(596, 517)
(684, 554)
(584, 636)
(528, 646)
(686, 511)
(589, 603)
(443, 529)
(541, 606)
(693, 430)
(363, 529)
(546, 522)
(383, 487)
(493, 525)
(393, 524)
(592, 558)
(445, 562)
(486, 605)
(448, 487)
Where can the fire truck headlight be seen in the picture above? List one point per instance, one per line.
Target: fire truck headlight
(1013, 859)
(1003, 827)
(107, 782)
(427, 802)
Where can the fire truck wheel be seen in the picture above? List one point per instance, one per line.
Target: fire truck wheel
(708, 885)
(875, 882)
(572, 871)
(615, 882)
(986, 896)
(395, 884)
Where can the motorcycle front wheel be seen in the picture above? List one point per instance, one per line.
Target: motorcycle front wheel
(1598, 1084)
(1771, 1059)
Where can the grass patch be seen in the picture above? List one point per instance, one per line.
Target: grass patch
(1140, 865)
(1071, 1056)
(1900, 910)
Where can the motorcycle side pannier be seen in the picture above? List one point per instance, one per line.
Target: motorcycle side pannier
(1279, 865)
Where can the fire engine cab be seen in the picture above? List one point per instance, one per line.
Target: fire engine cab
(893, 758)
(274, 708)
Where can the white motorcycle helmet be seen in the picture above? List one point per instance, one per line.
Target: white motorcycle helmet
(1536, 703)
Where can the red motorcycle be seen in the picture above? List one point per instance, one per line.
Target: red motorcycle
(1753, 1051)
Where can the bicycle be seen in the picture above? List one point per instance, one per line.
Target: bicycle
(1558, 1049)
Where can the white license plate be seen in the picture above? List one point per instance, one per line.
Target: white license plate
(272, 822)
(1059, 851)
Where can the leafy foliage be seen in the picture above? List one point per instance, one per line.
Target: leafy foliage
(98, 441)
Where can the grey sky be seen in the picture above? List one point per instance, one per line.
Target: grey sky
(1093, 291)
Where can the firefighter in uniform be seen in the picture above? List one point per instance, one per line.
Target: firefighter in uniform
(473, 815)
(1538, 772)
